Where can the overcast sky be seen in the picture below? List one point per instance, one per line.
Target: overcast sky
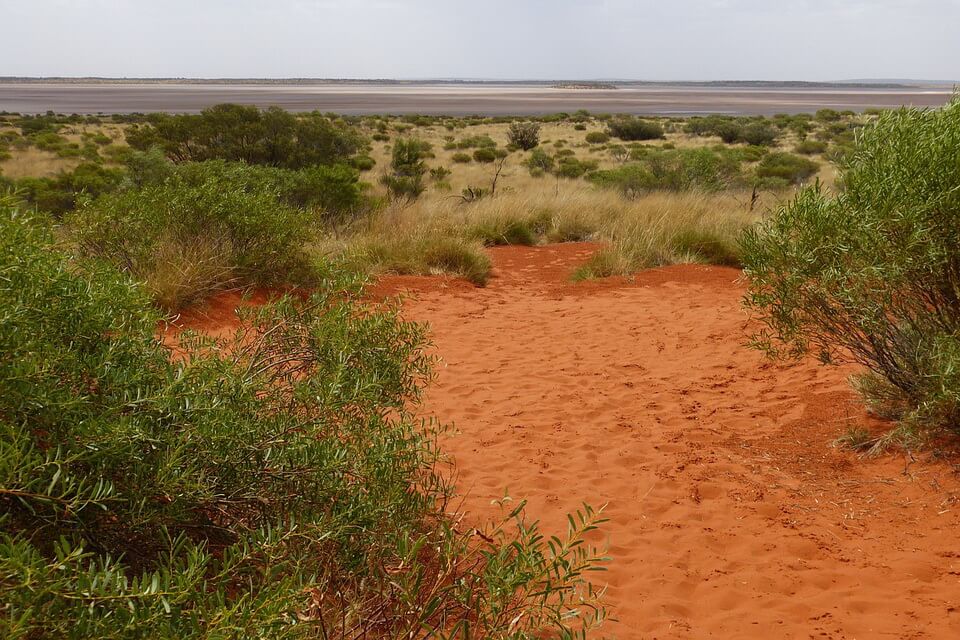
(496, 39)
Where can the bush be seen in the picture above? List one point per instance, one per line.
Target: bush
(439, 174)
(597, 137)
(525, 135)
(631, 128)
(571, 167)
(363, 163)
(461, 157)
(246, 134)
(786, 166)
(198, 232)
(60, 195)
(759, 134)
(810, 147)
(484, 155)
(275, 484)
(540, 161)
(872, 273)
(672, 170)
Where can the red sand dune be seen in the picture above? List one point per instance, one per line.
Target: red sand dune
(731, 515)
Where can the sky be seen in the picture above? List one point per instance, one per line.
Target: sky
(488, 39)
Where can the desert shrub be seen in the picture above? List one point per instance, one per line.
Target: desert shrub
(476, 142)
(461, 157)
(631, 128)
(148, 167)
(484, 155)
(794, 169)
(380, 137)
(579, 127)
(707, 125)
(758, 133)
(828, 115)
(810, 147)
(729, 132)
(525, 135)
(630, 179)
(572, 167)
(872, 274)
(672, 170)
(619, 152)
(597, 137)
(439, 174)
(407, 169)
(271, 484)
(239, 133)
(331, 192)
(61, 194)
(200, 231)
(363, 163)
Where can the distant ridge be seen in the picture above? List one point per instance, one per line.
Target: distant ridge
(602, 83)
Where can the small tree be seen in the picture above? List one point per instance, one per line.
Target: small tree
(406, 179)
(525, 135)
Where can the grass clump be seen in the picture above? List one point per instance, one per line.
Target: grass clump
(871, 274)
(418, 252)
(663, 229)
(272, 484)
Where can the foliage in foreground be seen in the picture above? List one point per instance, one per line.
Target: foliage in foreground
(272, 485)
(873, 274)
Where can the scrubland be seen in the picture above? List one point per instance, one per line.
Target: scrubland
(279, 482)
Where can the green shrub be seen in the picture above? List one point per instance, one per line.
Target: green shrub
(363, 163)
(631, 128)
(597, 137)
(461, 157)
(439, 174)
(484, 155)
(828, 115)
(198, 232)
(786, 166)
(61, 194)
(872, 274)
(525, 135)
(571, 167)
(476, 142)
(759, 134)
(810, 147)
(240, 133)
(672, 170)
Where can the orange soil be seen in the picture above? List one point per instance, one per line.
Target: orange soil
(731, 515)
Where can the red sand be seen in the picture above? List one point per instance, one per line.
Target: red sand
(731, 515)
